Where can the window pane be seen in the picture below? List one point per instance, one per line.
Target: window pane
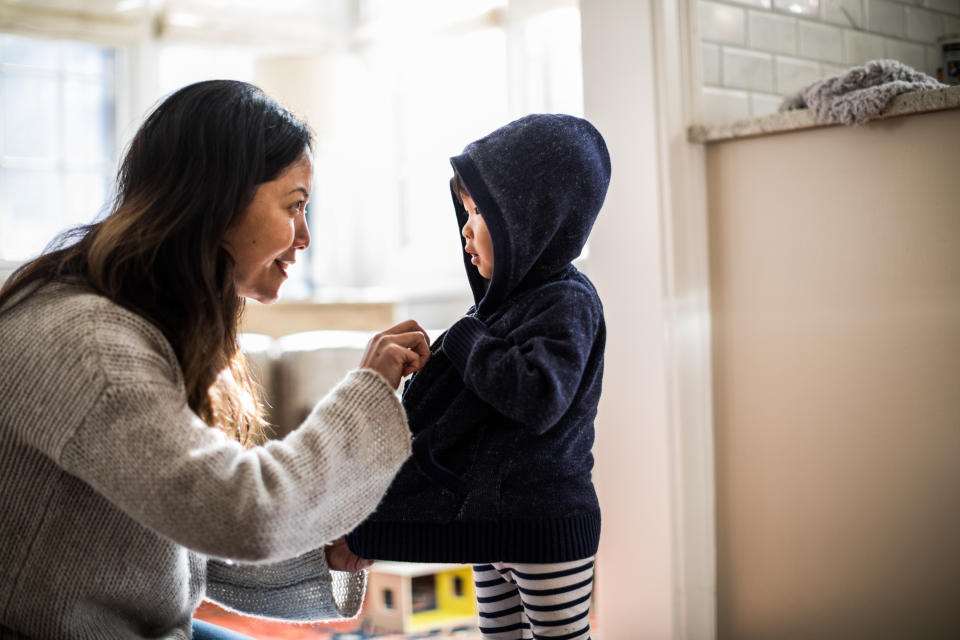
(88, 135)
(56, 139)
(423, 592)
(552, 69)
(35, 53)
(396, 115)
(85, 194)
(80, 57)
(30, 121)
(29, 214)
(183, 64)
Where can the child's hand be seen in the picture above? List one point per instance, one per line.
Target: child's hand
(340, 558)
(397, 352)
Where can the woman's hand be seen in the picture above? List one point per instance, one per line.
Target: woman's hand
(340, 558)
(397, 352)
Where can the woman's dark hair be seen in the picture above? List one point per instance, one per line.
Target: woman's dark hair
(187, 176)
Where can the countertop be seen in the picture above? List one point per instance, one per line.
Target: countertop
(901, 105)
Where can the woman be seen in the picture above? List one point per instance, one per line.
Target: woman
(134, 476)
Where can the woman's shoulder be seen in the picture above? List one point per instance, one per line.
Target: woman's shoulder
(66, 304)
(79, 324)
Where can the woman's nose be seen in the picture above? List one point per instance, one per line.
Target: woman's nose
(301, 238)
(464, 232)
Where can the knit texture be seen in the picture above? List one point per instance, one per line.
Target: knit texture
(122, 509)
(503, 412)
(860, 93)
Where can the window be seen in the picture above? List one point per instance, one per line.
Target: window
(388, 599)
(458, 586)
(57, 139)
(392, 90)
(424, 593)
(416, 85)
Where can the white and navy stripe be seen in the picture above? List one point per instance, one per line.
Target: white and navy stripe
(531, 601)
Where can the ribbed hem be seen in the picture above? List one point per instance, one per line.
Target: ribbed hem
(459, 341)
(548, 540)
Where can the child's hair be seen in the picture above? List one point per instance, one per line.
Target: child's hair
(458, 187)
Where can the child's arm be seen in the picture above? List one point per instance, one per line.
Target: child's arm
(532, 374)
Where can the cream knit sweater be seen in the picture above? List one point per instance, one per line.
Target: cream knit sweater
(120, 509)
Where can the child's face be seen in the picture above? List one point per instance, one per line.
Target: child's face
(479, 245)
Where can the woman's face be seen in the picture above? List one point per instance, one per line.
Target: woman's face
(265, 241)
(478, 245)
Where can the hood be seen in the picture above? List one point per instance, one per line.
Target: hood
(539, 183)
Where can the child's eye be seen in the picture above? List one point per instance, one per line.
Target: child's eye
(298, 207)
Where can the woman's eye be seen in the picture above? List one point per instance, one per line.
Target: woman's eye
(298, 207)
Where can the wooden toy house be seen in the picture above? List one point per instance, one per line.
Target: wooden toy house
(406, 598)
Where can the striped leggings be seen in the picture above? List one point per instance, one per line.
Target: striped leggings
(519, 601)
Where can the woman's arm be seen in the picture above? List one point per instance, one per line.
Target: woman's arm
(140, 446)
(144, 450)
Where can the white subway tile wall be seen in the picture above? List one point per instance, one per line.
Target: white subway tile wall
(770, 32)
(793, 74)
(710, 64)
(821, 42)
(724, 24)
(802, 7)
(846, 13)
(832, 70)
(886, 17)
(924, 25)
(744, 69)
(948, 6)
(762, 104)
(726, 104)
(754, 53)
(753, 3)
(933, 57)
(863, 47)
(909, 53)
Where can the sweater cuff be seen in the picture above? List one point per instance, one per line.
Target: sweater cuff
(461, 339)
(303, 589)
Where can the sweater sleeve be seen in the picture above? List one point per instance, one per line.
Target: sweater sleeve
(531, 374)
(301, 589)
(145, 451)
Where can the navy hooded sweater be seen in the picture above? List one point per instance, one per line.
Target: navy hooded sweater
(502, 414)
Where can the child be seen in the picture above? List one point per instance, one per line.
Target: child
(502, 414)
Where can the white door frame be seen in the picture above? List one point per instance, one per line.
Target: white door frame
(656, 575)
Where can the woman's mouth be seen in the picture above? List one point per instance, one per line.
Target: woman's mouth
(282, 266)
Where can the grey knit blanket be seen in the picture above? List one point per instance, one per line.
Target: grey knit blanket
(860, 93)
